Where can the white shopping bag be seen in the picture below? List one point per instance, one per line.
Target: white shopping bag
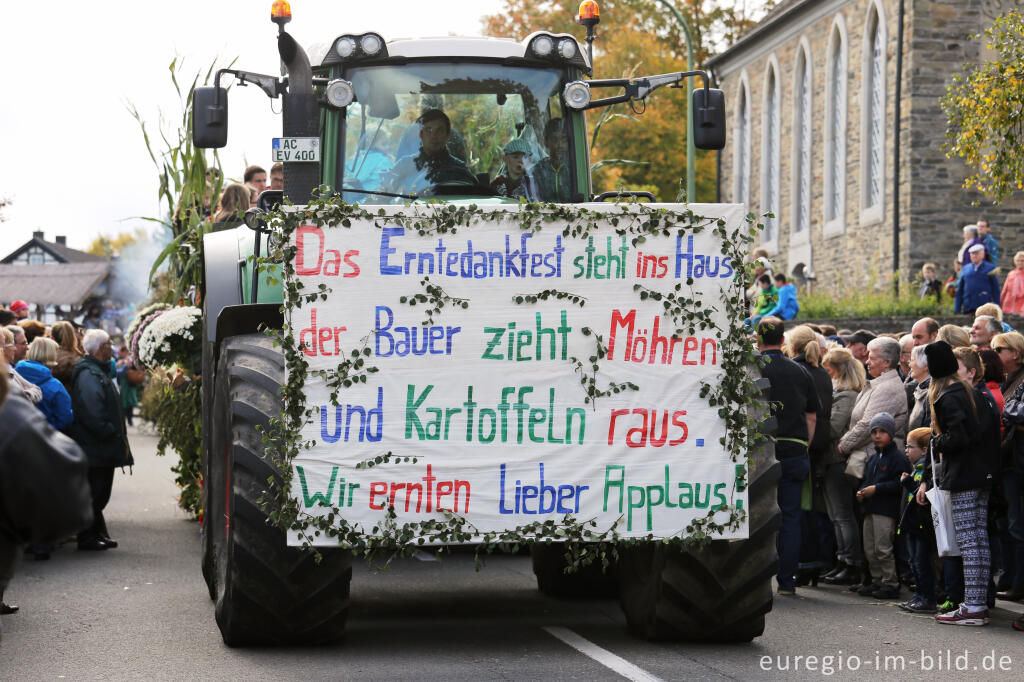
(942, 516)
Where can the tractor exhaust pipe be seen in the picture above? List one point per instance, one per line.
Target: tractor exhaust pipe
(301, 115)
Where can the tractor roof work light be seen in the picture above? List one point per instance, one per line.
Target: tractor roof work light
(370, 44)
(555, 48)
(576, 95)
(567, 48)
(281, 12)
(353, 48)
(345, 46)
(542, 46)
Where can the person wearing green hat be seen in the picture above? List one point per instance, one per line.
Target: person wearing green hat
(516, 183)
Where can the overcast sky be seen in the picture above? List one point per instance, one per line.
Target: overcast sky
(72, 158)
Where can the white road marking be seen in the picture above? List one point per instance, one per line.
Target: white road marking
(602, 656)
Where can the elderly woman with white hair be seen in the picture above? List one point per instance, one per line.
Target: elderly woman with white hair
(920, 412)
(100, 431)
(971, 237)
(884, 393)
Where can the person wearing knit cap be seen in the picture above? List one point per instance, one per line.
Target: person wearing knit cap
(978, 283)
(965, 475)
(20, 308)
(879, 496)
(516, 182)
(941, 360)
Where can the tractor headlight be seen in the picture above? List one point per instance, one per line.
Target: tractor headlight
(345, 46)
(370, 44)
(576, 95)
(542, 46)
(339, 93)
(567, 48)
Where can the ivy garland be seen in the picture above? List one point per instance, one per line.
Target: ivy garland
(735, 395)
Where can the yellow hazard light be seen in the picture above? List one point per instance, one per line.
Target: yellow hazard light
(280, 10)
(588, 10)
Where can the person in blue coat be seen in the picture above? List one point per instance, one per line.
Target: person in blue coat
(978, 284)
(786, 308)
(56, 402)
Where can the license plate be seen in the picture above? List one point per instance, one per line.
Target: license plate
(288, 149)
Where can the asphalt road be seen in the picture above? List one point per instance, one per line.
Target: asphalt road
(142, 612)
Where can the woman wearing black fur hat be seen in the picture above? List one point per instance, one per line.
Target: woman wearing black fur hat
(965, 475)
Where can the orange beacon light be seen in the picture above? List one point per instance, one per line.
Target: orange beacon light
(589, 12)
(281, 12)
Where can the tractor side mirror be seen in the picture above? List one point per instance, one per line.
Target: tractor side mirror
(708, 118)
(210, 118)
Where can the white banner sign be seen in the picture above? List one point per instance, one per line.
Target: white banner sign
(488, 398)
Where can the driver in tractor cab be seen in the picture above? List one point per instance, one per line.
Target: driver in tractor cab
(433, 164)
(516, 182)
(552, 173)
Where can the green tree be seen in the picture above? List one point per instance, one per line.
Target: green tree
(638, 37)
(985, 107)
(108, 247)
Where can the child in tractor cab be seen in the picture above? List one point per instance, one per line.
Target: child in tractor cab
(552, 172)
(516, 182)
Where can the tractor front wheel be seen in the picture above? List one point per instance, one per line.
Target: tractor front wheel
(267, 592)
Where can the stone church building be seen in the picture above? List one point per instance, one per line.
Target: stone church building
(845, 148)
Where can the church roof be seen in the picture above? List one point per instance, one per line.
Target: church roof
(783, 11)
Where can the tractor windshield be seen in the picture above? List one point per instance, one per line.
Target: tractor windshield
(454, 128)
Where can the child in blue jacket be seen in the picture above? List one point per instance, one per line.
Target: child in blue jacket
(879, 496)
(785, 308)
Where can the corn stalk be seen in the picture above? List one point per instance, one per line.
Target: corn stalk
(188, 185)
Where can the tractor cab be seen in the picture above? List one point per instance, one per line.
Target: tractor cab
(454, 117)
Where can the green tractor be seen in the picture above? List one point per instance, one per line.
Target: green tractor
(349, 123)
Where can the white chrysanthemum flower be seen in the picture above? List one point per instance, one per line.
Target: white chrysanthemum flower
(176, 327)
(142, 315)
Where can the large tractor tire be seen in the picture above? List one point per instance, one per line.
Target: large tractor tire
(267, 592)
(720, 592)
(589, 582)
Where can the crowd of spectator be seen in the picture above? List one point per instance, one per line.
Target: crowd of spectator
(81, 392)
(82, 383)
(976, 275)
(867, 425)
(237, 198)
